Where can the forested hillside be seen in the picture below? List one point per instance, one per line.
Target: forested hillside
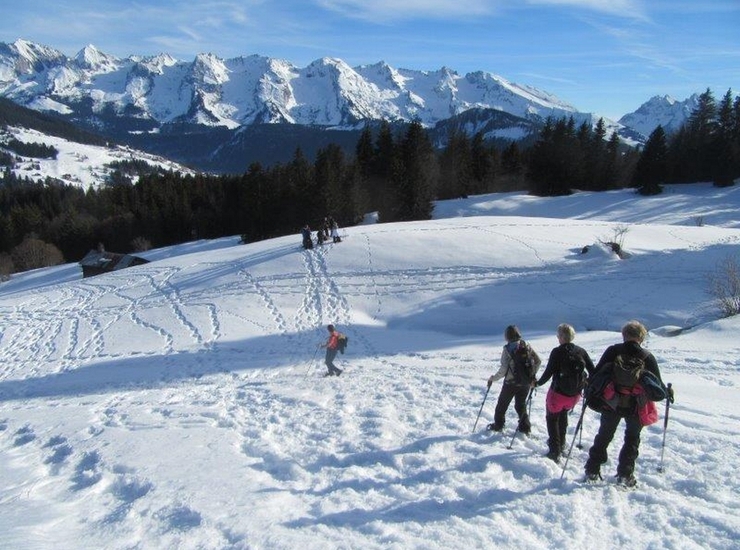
(399, 175)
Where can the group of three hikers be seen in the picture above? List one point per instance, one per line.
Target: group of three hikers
(569, 363)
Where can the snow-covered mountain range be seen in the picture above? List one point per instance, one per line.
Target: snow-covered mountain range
(255, 89)
(221, 114)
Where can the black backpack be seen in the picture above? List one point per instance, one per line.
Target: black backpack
(342, 343)
(571, 378)
(524, 368)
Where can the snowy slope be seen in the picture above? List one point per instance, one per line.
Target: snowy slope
(77, 164)
(180, 404)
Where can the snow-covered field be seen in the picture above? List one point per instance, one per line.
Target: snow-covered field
(181, 404)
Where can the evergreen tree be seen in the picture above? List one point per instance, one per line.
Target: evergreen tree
(365, 153)
(724, 148)
(483, 165)
(651, 166)
(414, 178)
(555, 160)
(702, 129)
(456, 167)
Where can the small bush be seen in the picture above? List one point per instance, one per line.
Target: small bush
(616, 243)
(33, 253)
(141, 244)
(724, 286)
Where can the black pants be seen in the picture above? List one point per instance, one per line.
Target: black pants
(329, 360)
(597, 455)
(557, 426)
(519, 395)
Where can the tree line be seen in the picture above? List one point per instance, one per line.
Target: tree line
(396, 173)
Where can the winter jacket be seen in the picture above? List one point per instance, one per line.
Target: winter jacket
(506, 370)
(333, 341)
(558, 356)
(607, 398)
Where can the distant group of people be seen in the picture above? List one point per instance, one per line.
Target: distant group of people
(566, 361)
(329, 229)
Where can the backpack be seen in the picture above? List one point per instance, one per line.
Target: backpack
(524, 368)
(627, 371)
(613, 385)
(571, 377)
(342, 343)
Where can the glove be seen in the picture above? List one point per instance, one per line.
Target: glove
(671, 399)
(490, 381)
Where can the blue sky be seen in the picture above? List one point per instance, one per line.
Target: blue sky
(603, 56)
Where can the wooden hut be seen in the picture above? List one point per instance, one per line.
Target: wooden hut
(96, 262)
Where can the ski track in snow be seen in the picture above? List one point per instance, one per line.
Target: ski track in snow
(383, 454)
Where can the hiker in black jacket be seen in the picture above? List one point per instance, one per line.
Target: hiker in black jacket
(633, 334)
(567, 366)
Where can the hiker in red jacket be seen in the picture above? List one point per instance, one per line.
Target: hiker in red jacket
(332, 345)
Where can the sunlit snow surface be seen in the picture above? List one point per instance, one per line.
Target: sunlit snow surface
(182, 404)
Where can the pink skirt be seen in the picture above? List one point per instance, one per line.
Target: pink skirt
(556, 402)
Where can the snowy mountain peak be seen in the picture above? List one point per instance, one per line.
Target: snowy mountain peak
(91, 58)
(210, 69)
(661, 110)
(32, 58)
(155, 64)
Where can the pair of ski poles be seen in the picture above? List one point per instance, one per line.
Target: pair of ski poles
(579, 430)
(528, 405)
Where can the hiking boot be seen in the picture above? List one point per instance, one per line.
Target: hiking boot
(338, 372)
(493, 427)
(592, 477)
(554, 456)
(627, 481)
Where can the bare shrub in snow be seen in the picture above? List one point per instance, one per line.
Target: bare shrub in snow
(724, 286)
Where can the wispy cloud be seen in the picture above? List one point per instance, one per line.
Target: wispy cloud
(380, 11)
(629, 9)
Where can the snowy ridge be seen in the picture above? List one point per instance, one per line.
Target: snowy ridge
(76, 164)
(234, 92)
(664, 111)
(180, 404)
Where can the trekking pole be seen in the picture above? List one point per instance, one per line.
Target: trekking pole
(579, 427)
(665, 426)
(312, 359)
(529, 400)
(580, 437)
(481, 406)
(528, 405)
